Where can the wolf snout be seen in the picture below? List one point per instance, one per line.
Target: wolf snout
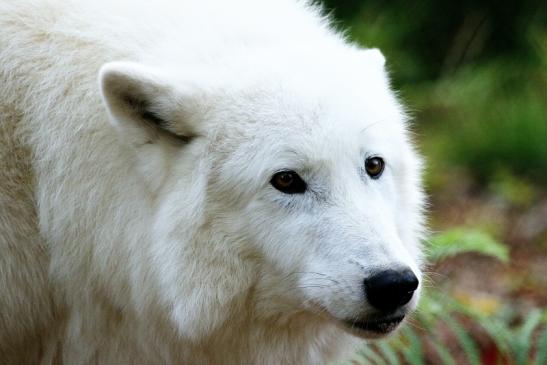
(390, 289)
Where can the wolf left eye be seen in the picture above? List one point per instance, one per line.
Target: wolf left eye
(288, 182)
(374, 167)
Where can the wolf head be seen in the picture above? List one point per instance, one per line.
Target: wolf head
(289, 178)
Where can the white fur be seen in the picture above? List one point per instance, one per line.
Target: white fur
(122, 244)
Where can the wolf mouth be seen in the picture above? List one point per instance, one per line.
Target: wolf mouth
(379, 326)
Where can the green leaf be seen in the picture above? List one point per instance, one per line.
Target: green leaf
(541, 355)
(460, 240)
(498, 331)
(501, 335)
(445, 355)
(413, 353)
(523, 342)
(467, 343)
(390, 354)
(431, 306)
(369, 355)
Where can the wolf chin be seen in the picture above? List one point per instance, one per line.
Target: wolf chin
(199, 182)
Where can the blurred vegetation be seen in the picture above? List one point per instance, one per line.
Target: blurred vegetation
(473, 72)
(474, 76)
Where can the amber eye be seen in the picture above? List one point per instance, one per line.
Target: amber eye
(374, 167)
(288, 182)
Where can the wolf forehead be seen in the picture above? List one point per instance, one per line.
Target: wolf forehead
(294, 107)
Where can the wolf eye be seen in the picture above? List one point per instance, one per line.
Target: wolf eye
(374, 167)
(288, 182)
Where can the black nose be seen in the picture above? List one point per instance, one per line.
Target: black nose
(387, 290)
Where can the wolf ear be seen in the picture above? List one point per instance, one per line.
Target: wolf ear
(374, 57)
(144, 106)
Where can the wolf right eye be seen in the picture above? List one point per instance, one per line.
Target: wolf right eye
(288, 182)
(374, 167)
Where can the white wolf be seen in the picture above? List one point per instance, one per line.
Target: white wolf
(198, 182)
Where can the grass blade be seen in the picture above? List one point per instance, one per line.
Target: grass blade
(541, 354)
(413, 354)
(389, 353)
(368, 353)
(467, 342)
(445, 355)
(523, 342)
(502, 335)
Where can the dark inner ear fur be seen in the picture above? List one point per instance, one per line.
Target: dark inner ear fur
(143, 111)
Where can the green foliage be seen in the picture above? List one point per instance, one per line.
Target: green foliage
(413, 353)
(523, 340)
(389, 353)
(461, 240)
(444, 355)
(541, 356)
(494, 120)
(467, 343)
(473, 72)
